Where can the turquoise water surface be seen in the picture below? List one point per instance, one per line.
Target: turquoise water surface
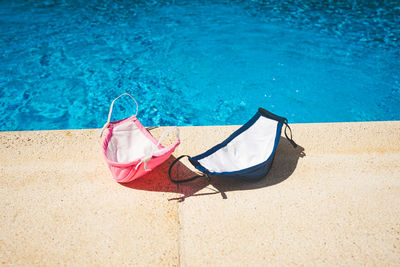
(197, 62)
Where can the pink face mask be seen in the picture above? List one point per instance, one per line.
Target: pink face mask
(130, 150)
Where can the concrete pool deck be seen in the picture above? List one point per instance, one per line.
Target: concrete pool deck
(335, 200)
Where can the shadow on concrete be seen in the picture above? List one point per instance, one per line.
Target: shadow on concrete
(285, 162)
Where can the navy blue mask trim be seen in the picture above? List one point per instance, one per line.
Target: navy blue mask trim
(252, 173)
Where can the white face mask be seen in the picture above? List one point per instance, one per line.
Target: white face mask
(249, 148)
(248, 153)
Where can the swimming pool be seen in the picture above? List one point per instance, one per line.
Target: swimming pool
(197, 62)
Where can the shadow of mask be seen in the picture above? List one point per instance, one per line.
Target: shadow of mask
(285, 162)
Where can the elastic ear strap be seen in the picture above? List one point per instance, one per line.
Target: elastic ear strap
(291, 137)
(170, 129)
(111, 109)
(185, 180)
(112, 105)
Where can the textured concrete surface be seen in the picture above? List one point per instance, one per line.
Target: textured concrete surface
(60, 206)
(333, 201)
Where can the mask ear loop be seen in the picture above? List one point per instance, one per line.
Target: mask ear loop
(290, 139)
(185, 180)
(111, 109)
(170, 129)
(148, 157)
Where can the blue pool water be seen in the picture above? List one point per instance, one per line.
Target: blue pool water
(197, 62)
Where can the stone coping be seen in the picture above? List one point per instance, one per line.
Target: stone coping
(332, 201)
